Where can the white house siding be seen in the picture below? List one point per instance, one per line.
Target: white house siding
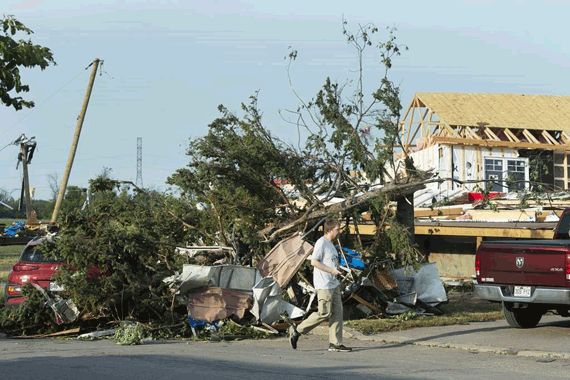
(468, 165)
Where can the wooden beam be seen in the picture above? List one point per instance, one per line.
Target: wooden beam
(426, 112)
(491, 134)
(362, 301)
(463, 178)
(549, 137)
(420, 127)
(451, 131)
(470, 132)
(565, 137)
(503, 144)
(424, 213)
(411, 124)
(565, 171)
(466, 230)
(484, 232)
(511, 135)
(530, 137)
(426, 128)
(409, 108)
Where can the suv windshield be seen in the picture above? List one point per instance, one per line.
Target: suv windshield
(34, 254)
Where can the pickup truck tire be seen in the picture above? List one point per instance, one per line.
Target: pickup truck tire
(522, 318)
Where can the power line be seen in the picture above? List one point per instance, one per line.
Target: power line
(38, 105)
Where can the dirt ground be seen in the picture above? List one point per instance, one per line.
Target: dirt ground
(465, 301)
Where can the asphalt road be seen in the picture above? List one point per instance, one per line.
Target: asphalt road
(550, 339)
(266, 359)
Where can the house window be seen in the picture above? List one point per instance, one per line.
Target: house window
(506, 174)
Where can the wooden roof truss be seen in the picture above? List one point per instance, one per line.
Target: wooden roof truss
(422, 127)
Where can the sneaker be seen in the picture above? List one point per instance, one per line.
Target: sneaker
(339, 348)
(293, 337)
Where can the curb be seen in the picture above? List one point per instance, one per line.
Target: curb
(352, 333)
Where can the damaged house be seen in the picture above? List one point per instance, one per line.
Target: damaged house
(503, 144)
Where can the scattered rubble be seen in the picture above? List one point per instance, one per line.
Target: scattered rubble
(65, 311)
(275, 293)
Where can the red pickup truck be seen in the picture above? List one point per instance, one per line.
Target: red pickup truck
(529, 277)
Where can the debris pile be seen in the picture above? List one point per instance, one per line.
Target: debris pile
(276, 292)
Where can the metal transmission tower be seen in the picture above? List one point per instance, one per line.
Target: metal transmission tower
(139, 181)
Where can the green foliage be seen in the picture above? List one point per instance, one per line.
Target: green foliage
(392, 240)
(17, 54)
(74, 199)
(359, 133)
(401, 243)
(407, 316)
(541, 167)
(130, 334)
(232, 193)
(231, 331)
(130, 239)
(233, 174)
(29, 317)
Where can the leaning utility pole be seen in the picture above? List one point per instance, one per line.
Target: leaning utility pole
(27, 147)
(73, 149)
(139, 180)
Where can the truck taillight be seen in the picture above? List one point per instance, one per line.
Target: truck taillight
(567, 267)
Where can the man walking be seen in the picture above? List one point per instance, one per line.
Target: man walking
(325, 263)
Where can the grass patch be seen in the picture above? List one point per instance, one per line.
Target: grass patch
(8, 221)
(461, 310)
(9, 250)
(375, 326)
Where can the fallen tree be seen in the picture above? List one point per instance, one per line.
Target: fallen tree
(243, 189)
(259, 188)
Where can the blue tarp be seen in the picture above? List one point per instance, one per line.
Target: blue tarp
(196, 322)
(354, 259)
(14, 229)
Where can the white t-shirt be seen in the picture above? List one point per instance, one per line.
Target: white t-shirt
(326, 253)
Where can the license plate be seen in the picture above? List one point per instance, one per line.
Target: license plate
(55, 287)
(522, 291)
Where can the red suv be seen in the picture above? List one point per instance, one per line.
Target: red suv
(32, 266)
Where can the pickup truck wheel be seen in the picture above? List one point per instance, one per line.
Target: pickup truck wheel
(522, 318)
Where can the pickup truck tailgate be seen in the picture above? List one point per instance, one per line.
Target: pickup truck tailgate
(541, 262)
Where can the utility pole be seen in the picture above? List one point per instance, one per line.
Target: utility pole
(27, 147)
(27, 195)
(73, 149)
(139, 180)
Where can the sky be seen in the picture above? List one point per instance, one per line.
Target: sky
(169, 64)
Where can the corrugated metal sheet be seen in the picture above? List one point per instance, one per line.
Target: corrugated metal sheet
(542, 112)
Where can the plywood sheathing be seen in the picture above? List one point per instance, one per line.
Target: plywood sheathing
(531, 112)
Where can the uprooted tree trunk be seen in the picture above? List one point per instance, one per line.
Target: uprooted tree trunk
(344, 206)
